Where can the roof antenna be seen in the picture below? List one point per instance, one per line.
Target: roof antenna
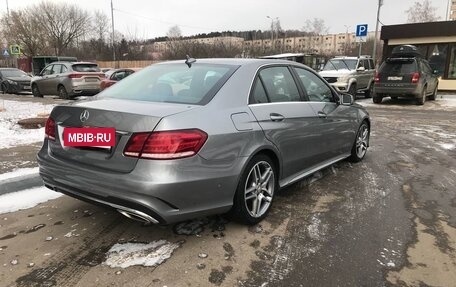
(189, 61)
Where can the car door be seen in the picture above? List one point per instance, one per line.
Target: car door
(363, 76)
(43, 81)
(54, 80)
(431, 78)
(285, 118)
(337, 124)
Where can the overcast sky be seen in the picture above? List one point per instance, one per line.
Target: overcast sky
(152, 18)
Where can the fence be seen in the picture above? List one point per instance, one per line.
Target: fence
(125, 64)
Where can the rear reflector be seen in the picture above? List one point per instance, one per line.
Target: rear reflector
(165, 144)
(49, 129)
(415, 77)
(377, 77)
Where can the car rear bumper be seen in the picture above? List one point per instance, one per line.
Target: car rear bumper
(77, 91)
(165, 191)
(404, 91)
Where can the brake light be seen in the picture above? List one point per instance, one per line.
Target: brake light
(415, 77)
(75, 76)
(377, 77)
(165, 144)
(49, 129)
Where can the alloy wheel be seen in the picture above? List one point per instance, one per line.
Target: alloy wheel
(361, 141)
(259, 189)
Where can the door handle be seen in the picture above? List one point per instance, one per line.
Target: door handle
(322, 114)
(276, 117)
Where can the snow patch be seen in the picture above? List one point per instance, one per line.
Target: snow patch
(12, 133)
(124, 255)
(18, 172)
(448, 146)
(26, 198)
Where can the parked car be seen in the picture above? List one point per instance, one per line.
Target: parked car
(113, 76)
(350, 74)
(105, 70)
(222, 136)
(68, 80)
(14, 81)
(406, 74)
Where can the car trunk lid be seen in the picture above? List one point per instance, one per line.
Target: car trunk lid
(127, 117)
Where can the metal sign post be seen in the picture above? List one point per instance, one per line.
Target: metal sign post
(361, 36)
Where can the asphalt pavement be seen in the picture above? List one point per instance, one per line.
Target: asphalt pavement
(389, 220)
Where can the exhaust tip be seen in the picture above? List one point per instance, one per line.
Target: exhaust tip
(138, 216)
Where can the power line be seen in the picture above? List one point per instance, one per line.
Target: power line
(165, 22)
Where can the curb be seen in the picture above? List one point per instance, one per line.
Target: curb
(20, 183)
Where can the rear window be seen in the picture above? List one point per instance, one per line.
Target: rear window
(86, 68)
(399, 66)
(173, 83)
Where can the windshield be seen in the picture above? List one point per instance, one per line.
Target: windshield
(86, 68)
(173, 83)
(13, 73)
(340, 64)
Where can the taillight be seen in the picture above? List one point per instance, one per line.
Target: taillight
(75, 75)
(49, 129)
(165, 144)
(377, 77)
(415, 77)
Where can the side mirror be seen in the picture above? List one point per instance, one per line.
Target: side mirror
(346, 99)
(361, 69)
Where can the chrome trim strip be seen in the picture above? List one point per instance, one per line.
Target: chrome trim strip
(308, 172)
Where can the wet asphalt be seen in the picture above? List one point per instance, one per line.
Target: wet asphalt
(389, 220)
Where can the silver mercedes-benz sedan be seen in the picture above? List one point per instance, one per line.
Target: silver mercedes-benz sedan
(201, 137)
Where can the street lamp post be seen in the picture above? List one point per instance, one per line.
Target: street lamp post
(347, 39)
(272, 29)
(374, 52)
(112, 21)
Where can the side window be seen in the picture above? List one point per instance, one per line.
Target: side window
(366, 64)
(371, 63)
(280, 85)
(258, 94)
(64, 69)
(316, 89)
(56, 69)
(47, 70)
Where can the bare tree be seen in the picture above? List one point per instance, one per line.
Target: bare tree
(64, 23)
(174, 32)
(100, 25)
(24, 29)
(422, 11)
(315, 27)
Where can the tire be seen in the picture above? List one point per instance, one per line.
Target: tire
(36, 92)
(434, 94)
(4, 87)
(370, 91)
(377, 98)
(422, 99)
(63, 94)
(361, 143)
(352, 90)
(246, 210)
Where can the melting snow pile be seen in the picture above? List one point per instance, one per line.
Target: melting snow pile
(18, 173)
(26, 198)
(12, 133)
(146, 254)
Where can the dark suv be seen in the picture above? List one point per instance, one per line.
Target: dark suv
(405, 74)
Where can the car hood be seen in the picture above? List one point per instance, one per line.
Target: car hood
(19, 79)
(335, 73)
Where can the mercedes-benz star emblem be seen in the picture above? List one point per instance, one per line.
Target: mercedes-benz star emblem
(84, 116)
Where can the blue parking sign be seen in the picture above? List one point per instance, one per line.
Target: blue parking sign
(361, 30)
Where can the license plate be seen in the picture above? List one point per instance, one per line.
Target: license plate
(89, 137)
(394, 78)
(91, 80)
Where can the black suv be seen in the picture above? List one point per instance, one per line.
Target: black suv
(405, 74)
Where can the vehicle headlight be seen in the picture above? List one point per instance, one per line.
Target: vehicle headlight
(12, 82)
